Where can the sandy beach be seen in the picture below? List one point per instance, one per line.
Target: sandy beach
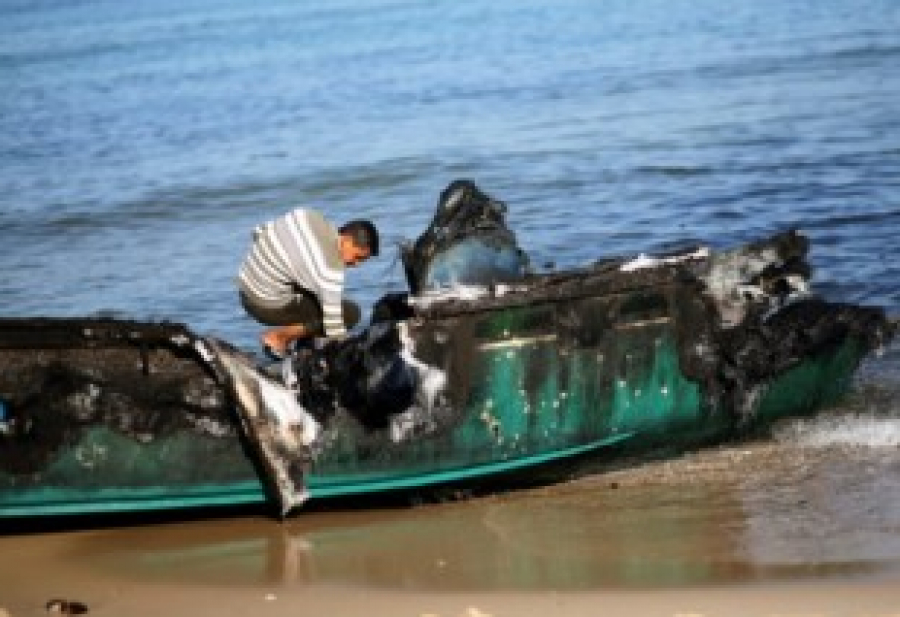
(36, 570)
(783, 601)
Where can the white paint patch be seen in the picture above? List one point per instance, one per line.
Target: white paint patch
(465, 293)
(642, 261)
(204, 351)
(519, 342)
(503, 289)
(431, 380)
(431, 383)
(727, 282)
(180, 340)
(281, 403)
(209, 426)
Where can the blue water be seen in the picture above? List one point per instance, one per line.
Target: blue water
(140, 142)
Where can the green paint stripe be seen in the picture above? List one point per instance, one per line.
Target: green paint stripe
(373, 484)
(53, 501)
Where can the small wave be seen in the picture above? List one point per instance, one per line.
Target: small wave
(855, 430)
(675, 171)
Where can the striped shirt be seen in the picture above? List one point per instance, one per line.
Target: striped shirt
(299, 249)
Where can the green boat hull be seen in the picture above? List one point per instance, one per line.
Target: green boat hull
(526, 399)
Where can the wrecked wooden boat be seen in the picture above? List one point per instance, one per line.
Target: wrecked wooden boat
(472, 375)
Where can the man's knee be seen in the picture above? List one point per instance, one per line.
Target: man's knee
(254, 310)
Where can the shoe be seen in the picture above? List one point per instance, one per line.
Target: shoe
(272, 353)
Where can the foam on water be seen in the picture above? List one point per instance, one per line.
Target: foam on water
(866, 430)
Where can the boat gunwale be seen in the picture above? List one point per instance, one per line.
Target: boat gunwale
(556, 289)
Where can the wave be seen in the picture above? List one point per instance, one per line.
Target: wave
(869, 419)
(859, 430)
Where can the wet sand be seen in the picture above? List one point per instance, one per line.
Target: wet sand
(38, 569)
(798, 600)
(765, 528)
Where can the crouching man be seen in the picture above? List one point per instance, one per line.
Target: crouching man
(293, 277)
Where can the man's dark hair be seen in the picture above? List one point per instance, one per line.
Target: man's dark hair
(363, 233)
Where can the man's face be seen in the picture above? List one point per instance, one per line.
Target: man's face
(351, 253)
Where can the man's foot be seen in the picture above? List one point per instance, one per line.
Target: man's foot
(277, 342)
(274, 345)
(273, 354)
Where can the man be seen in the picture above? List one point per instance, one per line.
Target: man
(293, 276)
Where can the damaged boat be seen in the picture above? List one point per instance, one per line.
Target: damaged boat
(482, 369)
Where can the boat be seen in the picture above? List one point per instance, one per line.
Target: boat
(483, 370)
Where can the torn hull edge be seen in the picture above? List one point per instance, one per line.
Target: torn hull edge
(279, 430)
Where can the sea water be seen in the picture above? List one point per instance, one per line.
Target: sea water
(141, 142)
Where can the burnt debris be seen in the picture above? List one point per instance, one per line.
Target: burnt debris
(467, 242)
